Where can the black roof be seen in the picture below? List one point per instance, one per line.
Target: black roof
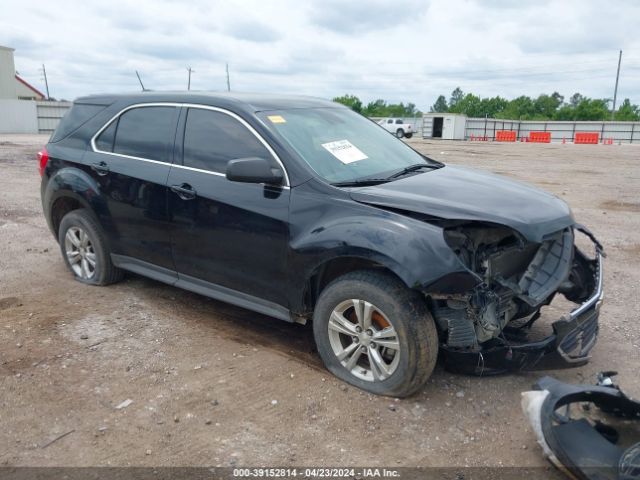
(245, 101)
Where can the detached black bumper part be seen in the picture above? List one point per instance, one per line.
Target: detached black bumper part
(584, 448)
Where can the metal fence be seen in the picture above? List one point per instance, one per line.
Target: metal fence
(618, 132)
(28, 116)
(50, 114)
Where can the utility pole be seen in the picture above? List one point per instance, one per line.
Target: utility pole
(46, 83)
(140, 80)
(615, 91)
(189, 81)
(228, 82)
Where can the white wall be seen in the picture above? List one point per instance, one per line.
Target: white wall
(7, 74)
(23, 92)
(18, 116)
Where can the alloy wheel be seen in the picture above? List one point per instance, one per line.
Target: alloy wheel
(80, 253)
(364, 340)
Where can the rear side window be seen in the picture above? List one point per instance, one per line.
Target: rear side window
(398, 122)
(212, 138)
(78, 115)
(104, 142)
(144, 132)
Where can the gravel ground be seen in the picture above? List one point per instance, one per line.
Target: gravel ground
(140, 373)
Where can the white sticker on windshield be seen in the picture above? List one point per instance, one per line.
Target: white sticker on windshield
(344, 151)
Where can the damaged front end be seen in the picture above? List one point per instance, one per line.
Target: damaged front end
(486, 313)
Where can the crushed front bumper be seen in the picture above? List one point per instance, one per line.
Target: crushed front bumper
(573, 338)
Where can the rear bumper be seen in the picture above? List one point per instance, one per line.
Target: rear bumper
(574, 335)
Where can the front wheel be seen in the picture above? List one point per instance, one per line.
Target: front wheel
(375, 333)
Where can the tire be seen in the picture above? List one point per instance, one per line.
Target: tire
(81, 237)
(409, 363)
(409, 135)
(400, 133)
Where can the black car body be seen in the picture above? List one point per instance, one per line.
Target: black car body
(484, 253)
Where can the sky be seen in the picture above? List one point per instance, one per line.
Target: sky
(397, 50)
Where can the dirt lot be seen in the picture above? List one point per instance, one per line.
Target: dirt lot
(212, 384)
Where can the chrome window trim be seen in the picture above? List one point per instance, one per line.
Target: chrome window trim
(187, 105)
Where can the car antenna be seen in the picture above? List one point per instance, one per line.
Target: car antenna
(140, 80)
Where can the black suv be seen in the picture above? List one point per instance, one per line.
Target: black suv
(301, 209)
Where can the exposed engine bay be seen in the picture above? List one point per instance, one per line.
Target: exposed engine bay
(513, 278)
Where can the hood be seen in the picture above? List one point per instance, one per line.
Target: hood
(459, 193)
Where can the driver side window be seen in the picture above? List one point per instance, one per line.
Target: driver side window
(213, 138)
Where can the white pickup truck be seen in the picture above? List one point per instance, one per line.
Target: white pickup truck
(397, 127)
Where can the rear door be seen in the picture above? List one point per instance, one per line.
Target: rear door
(224, 233)
(130, 159)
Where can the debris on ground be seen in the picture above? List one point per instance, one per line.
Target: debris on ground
(600, 442)
(124, 404)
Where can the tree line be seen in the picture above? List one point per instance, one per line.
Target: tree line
(379, 108)
(544, 107)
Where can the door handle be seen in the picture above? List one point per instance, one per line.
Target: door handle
(184, 191)
(101, 168)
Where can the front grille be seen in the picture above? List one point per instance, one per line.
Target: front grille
(577, 343)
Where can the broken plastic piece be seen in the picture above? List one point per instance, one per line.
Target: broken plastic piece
(581, 445)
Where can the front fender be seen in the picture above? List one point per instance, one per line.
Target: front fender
(413, 250)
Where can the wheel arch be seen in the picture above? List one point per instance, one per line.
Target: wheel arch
(330, 269)
(67, 190)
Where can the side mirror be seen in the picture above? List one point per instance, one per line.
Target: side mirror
(254, 170)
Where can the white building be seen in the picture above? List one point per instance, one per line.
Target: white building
(12, 86)
(446, 126)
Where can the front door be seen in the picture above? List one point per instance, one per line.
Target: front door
(224, 233)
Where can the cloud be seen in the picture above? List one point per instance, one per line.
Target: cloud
(365, 16)
(401, 50)
(252, 31)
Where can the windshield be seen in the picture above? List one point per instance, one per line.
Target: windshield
(342, 146)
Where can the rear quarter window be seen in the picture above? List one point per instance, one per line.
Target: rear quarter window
(78, 115)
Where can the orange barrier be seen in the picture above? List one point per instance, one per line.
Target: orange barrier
(506, 136)
(479, 138)
(540, 137)
(591, 138)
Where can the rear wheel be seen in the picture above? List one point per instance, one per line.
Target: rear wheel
(400, 133)
(84, 249)
(375, 333)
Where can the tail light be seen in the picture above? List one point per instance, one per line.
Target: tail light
(43, 158)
